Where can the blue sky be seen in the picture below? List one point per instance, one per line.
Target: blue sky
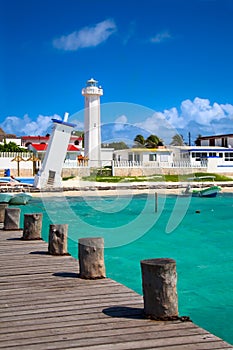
(173, 59)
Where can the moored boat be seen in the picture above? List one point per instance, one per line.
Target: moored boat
(21, 198)
(5, 197)
(207, 191)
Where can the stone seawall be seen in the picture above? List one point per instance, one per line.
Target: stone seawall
(156, 171)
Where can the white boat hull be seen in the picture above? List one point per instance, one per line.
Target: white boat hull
(20, 199)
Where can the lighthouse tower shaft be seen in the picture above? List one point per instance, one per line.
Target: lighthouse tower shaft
(92, 124)
(50, 172)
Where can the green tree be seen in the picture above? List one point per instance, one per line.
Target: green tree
(115, 145)
(10, 147)
(153, 141)
(139, 141)
(177, 140)
(198, 141)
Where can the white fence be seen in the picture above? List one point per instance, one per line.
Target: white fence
(24, 155)
(23, 167)
(176, 164)
(75, 164)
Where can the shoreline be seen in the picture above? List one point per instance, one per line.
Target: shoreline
(84, 188)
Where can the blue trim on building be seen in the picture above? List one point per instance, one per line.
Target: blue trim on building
(211, 150)
(64, 123)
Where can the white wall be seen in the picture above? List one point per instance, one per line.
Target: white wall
(106, 156)
(7, 163)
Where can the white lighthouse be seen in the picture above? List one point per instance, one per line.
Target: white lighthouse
(92, 130)
(50, 172)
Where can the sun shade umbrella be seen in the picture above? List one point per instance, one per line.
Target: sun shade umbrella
(18, 159)
(33, 159)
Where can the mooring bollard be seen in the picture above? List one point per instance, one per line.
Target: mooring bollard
(58, 239)
(32, 226)
(91, 258)
(3, 206)
(159, 280)
(12, 219)
(156, 202)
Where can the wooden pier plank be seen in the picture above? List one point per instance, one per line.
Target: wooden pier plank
(44, 305)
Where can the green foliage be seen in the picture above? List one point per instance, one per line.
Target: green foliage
(152, 141)
(115, 145)
(66, 178)
(218, 177)
(177, 140)
(139, 141)
(77, 133)
(11, 147)
(153, 178)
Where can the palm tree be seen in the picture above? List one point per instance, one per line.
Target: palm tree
(139, 140)
(153, 141)
(177, 140)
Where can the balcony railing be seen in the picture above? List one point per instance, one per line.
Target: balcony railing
(176, 164)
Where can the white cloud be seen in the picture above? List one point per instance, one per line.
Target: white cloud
(120, 123)
(26, 126)
(160, 37)
(86, 37)
(197, 116)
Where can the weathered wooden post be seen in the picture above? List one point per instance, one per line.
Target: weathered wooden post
(58, 239)
(156, 202)
(91, 258)
(159, 280)
(12, 219)
(32, 226)
(3, 206)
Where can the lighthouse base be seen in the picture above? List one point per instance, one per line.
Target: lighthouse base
(46, 180)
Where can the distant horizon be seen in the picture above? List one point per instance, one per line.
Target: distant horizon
(165, 56)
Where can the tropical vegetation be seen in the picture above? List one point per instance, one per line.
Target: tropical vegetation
(177, 140)
(11, 147)
(151, 141)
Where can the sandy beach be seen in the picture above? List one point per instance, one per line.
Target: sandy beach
(77, 187)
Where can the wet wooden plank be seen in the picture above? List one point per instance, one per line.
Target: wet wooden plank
(45, 305)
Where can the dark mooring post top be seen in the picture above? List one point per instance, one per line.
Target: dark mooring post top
(158, 261)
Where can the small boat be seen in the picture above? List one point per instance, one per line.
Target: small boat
(21, 198)
(207, 191)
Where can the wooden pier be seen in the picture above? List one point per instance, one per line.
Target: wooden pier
(45, 305)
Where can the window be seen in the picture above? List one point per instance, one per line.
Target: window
(134, 157)
(220, 155)
(229, 156)
(212, 142)
(224, 142)
(152, 157)
(198, 156)
(212, 154)
(130, 157)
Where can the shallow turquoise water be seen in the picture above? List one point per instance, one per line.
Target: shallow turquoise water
(201, 243)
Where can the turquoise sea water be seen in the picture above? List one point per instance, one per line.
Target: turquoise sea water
(196, 232)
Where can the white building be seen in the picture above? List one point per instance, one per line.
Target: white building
(224, 140)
